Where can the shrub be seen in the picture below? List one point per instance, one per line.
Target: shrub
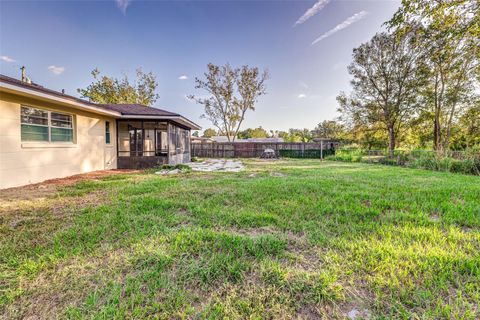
(310, 153)
(183, 167)
(180, 166)
(461, 166)
(388, 161)
(402, 157)
(429, 160)
(347, 155)
(425, 161)
(467, 166)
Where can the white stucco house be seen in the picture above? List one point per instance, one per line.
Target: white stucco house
(47, 134)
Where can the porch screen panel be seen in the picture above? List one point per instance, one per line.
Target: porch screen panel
(178, 145)
(149, 139)
(161, 130)
(172, 139)
(136, 142)
(182, 141)
(187, 141)
(164, 141)
(123, 140)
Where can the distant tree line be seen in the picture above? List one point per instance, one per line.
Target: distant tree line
(328, 129)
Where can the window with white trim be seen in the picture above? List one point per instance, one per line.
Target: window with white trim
(44, 125)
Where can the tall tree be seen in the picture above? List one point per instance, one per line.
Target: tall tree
(329, 129)
(105, 89)
(253, 133)
(384, 83)
(362, 129)
(469, 124)
(456, 18)
(298, 135)
(231, 93)
(209, 132)
(449, 35)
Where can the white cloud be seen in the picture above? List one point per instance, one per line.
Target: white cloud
(183, 77)
(317, 7)
(345, 24)
(123, 5)
(7, 59)
(56, 70)
(302, 95)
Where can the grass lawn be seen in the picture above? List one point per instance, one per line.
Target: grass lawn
(296, 238)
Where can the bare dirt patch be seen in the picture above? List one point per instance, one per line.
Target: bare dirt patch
(434, 217)
(255, 232)
(48, 187)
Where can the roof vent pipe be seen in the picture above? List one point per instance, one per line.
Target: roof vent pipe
(24, 76)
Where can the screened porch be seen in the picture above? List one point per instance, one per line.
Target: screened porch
(147, 143)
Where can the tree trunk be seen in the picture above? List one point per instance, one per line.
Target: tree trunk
(437, 105)
(437, 134)
(391, 141)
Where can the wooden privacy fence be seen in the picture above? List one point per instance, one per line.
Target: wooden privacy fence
(255, 149)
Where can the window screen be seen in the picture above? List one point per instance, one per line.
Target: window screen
(107, 132)
(43, 125)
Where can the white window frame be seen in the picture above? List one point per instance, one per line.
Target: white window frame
(49, 125)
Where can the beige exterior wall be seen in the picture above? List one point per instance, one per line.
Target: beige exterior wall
(24, 162)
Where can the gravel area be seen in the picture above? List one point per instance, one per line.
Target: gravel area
(211, 165)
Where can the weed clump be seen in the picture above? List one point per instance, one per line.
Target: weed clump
(180, 166)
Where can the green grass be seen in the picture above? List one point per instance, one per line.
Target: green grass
(294, 238)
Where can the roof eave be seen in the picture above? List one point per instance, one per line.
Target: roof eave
(180, 119)
(15, 89)
(32, 93)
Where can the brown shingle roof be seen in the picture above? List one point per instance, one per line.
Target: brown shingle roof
(123, 109)
(137, 110)
(39, 88)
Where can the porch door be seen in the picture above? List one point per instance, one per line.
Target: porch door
(158, 142)
(136, 142)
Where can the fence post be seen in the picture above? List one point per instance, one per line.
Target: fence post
(321, 150)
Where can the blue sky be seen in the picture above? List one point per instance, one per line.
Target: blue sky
(305, 45)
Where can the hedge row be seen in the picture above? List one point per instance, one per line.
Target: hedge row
(310, 154)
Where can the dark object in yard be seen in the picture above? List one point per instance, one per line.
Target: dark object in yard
(268, 154)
